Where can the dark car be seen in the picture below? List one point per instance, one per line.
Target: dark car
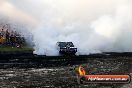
(66, 48)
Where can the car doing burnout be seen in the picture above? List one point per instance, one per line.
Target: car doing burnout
(66, 48)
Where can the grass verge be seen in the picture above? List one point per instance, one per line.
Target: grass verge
(14, 49)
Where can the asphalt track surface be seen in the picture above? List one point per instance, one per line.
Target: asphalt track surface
(61, 74)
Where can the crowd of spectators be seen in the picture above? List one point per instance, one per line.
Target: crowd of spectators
(11, 38)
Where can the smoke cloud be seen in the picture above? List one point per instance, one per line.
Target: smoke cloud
(93, 26)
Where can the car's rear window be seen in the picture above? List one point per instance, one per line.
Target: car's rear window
(64, 44)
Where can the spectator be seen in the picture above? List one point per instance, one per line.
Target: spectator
(7, 37)
(17, 39)
(2, 33)
(2, 36)
(12, 39)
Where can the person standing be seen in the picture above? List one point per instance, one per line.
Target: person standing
(12, 39)
(2, 36)
(80, 73)
(3, 33)
(7, 37)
